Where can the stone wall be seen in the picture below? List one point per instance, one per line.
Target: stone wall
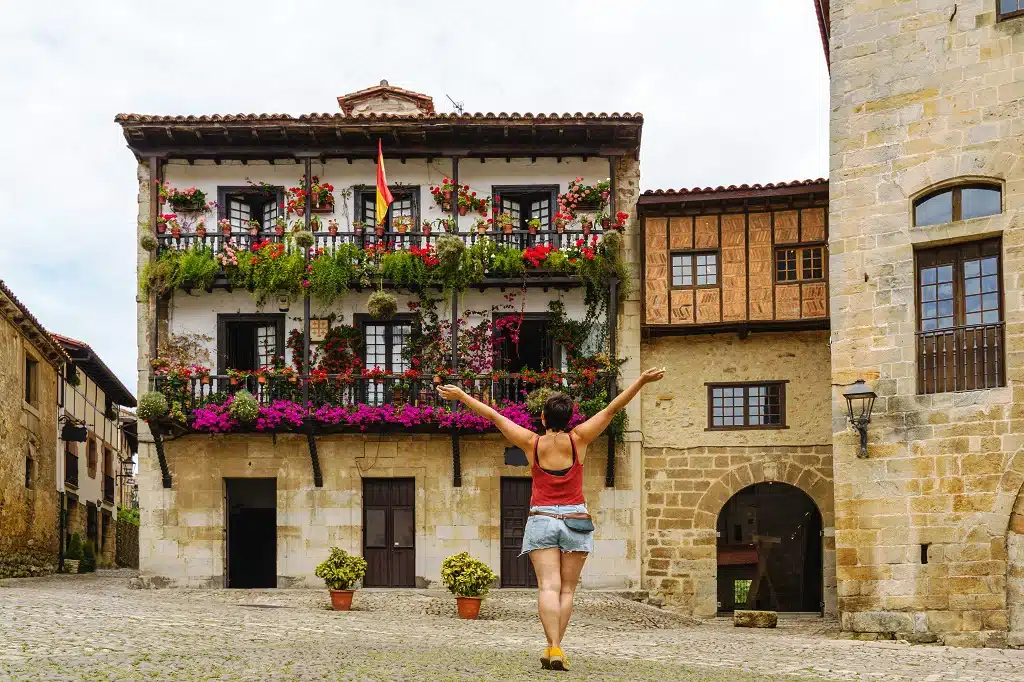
(923, 95)
(28, 516)
(182, 528)
(690, 473)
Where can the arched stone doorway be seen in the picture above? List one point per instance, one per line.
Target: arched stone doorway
(770, 550)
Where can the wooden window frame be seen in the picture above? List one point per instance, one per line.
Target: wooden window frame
(91, 456)
(223, 191)
(223, 319)
(361, 320)
(710, 386)
(956, 212)
(995, 245)
(552, 190)
(30, 380)
(398, 192)
(1003, 16)
(692, 254)
(800, 249)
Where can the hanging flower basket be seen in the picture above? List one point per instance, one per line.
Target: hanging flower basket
(332, 227)
(321, 208)
(426, 228)
(225, 226)
(381, 305)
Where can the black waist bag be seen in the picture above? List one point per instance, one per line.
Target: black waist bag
(580, 525)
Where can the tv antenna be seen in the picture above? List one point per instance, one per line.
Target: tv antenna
(460, 107)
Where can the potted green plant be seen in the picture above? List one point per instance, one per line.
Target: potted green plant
(469, 580)
(401, 223)
(254, 227)
(340, 571)
(533, 224)
(506, 222)
(73, 555)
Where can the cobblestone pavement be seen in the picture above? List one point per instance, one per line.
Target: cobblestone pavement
(95, 628)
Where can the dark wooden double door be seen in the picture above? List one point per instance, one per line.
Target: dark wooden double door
(389, 532)
(516, 571)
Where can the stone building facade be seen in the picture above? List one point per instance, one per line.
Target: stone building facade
(925, 244)
(30, 361)
(451, 496)
(737, 457)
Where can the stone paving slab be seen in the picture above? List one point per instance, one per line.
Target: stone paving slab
(95, 628)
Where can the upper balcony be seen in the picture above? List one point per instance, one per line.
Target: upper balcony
(736, 259)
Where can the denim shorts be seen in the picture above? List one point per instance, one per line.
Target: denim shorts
(544, 532)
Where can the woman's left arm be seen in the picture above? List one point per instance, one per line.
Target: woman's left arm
(518, 435)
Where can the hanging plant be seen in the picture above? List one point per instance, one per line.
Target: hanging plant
(152, 406)
(443, 194)
(148, 242)
(449, 249)
(244, 407)
(304, 239)
(382, 305)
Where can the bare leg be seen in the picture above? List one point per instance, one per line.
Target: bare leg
(547, 565)
(572, 566)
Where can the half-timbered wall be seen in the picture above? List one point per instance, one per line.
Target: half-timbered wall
(769, 265)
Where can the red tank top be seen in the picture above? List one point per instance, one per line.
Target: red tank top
(549, 489)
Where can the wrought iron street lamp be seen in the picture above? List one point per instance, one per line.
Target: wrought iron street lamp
(860, 400)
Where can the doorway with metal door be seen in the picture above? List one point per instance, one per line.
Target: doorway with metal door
(251, 542)
(516, 571)
(389, 532)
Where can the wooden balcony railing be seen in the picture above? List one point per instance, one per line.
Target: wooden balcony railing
(520, 239)
(70, 468)
(108, 488)
(961, 358)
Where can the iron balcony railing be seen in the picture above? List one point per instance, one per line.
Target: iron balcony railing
(70, 468)
(345, 391)
(244, 239)
(964, 358)
(108, 488)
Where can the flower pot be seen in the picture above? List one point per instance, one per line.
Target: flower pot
(463, 210)
(233, 381)
(261, 379)
(206, 380)
(226, 232)
(341, 600)
(332, 230)
(161, 228)
(469, 607)
(559, 228)
(401, 229)
(606, 223)
(482, 229)
(176, 232)
(426, 231)
(447, 196)
(437, 380)
(586, 229)
(380, 231)
(279, 230)
(293, 380)
(324, 208)
(532, 230)
(254, 231)
(201, 232)
(506, 229)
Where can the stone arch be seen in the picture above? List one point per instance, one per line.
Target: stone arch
(782, 470)
(1015, 557)
(778, 468)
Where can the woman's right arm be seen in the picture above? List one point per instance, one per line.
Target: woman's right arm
(590, 430)
(515, 433)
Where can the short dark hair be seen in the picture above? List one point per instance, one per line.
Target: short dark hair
(558, 409)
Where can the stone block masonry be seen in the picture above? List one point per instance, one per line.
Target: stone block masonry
(926, 537)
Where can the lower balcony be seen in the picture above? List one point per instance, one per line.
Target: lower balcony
(379, 403)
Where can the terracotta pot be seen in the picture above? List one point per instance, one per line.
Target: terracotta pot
(533, 230)
(447, 196)
(233, 381)
(463, 210)
(226, 231)
(341, 600)
(586, 229)
(469, 607)
(507, 229)
(437, 380)
(482, 229)
(606, 223)
(201, 232)
(559, 228)
(161, 228)
(427, 230)
(279, 230)
(261, 379)
(380, 231)
(206, 380)
(332, 230)
(254, 231)
(176, 232)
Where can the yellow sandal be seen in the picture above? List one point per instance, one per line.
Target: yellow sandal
(559, 661)
(545, 659)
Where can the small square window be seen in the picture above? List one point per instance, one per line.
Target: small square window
(689, 269)
(746, 406)
(31, 380)
(802, 264)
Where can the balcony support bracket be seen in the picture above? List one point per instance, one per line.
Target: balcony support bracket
(158, 441)
(318, 477)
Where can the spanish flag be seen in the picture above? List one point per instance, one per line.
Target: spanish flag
(384, 197)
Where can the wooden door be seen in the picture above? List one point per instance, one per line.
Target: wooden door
(516, 571)
(389, 532)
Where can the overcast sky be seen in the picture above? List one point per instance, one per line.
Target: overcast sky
(731, 92)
